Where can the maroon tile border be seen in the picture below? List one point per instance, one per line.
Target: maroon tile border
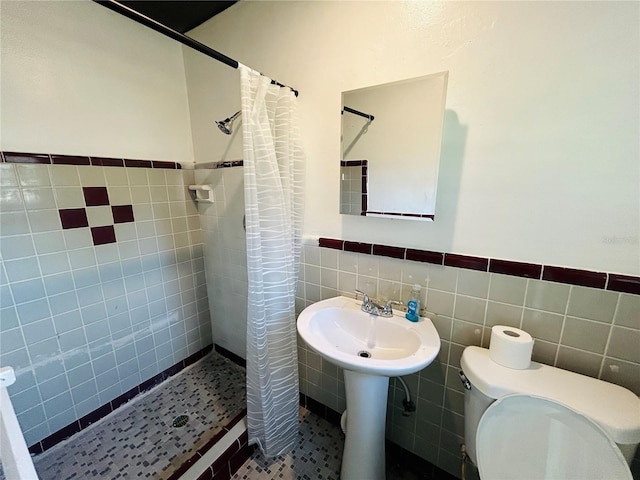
(399, 214)
(109, 407)
(354, 163)
(215, 165)
(465, 261)
(387, 251)
(138, 163)
(70, 160)
(572, 276)
(331, 243)
(55, 159)
(357, 247)
(624, 283)
(506, 267)
(107, 162)
(425, 256)
(15, 157)
(610, 281)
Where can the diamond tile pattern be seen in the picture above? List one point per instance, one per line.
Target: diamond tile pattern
(96, 197)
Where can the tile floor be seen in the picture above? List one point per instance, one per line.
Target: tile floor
(139, 439)
(317, 456)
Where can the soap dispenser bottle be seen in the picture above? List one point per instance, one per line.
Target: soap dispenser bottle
(413, 305)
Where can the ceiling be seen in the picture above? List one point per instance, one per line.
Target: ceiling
(179, 15)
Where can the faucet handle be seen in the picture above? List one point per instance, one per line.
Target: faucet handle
(387, 308)
(365, 297)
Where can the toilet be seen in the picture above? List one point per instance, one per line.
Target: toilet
(546, 423)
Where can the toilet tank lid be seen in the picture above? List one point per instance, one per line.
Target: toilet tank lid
(613, 407)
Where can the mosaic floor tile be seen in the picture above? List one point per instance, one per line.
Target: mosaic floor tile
(139, 440)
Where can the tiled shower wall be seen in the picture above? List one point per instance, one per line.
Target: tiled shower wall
(96, 303)
(226, 253)
(586, 330)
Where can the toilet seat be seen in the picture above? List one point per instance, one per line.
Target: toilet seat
(524, 437)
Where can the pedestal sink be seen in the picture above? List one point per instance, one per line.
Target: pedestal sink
(370, 349)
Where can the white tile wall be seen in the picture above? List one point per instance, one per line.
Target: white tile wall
(82, 324)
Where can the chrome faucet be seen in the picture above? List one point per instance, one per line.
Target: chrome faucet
(372, 308)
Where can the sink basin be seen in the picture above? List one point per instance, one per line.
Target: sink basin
(370, 349)
(343, 334)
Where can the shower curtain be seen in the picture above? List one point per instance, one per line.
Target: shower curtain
(273, 191)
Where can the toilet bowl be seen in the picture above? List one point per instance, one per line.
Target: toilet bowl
(546, 423)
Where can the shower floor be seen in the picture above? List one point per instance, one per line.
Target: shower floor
(139, 439)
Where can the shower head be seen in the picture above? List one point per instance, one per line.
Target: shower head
(225, 125)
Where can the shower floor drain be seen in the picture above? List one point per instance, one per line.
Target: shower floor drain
(180, 421)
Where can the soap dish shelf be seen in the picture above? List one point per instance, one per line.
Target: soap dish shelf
(204, 193)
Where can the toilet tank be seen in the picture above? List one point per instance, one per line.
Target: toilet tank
(614, 408)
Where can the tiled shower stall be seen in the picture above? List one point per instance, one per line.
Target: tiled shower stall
(102, 283)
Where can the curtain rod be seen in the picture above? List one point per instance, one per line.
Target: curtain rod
(169, 32)
(357, 112)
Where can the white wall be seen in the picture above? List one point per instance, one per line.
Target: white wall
(540, 150)
(80, 79)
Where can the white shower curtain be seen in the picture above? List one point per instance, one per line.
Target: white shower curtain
(273, 191)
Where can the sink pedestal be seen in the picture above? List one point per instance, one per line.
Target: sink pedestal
(363, 456)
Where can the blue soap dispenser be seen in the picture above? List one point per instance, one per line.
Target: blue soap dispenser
(413, 305)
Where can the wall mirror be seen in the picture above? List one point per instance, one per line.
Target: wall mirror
(391, 140)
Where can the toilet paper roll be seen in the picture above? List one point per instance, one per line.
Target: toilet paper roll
(510, 347)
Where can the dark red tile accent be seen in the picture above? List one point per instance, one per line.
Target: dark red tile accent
(222, 473)
(357, 247)
(518, 269)
(152, 382)
(95, 196)
(572, 276)
(137, 163)
(364, 204)
(96, 415)
(231, 356)
(238, 458)
(206, 475)
(353, 163)
(60, 435)
(225, 457)
(160, 164)
(73, 218)
(107, 162)
(624, 283)
(464, 261)
(425, 256)
(36, 449)
(124, 398)
(15, 157)
(364, 184)
(103, 235)
(191, 359)
(331, 243)
(387, 251)
(70, 160)
(122, 213)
